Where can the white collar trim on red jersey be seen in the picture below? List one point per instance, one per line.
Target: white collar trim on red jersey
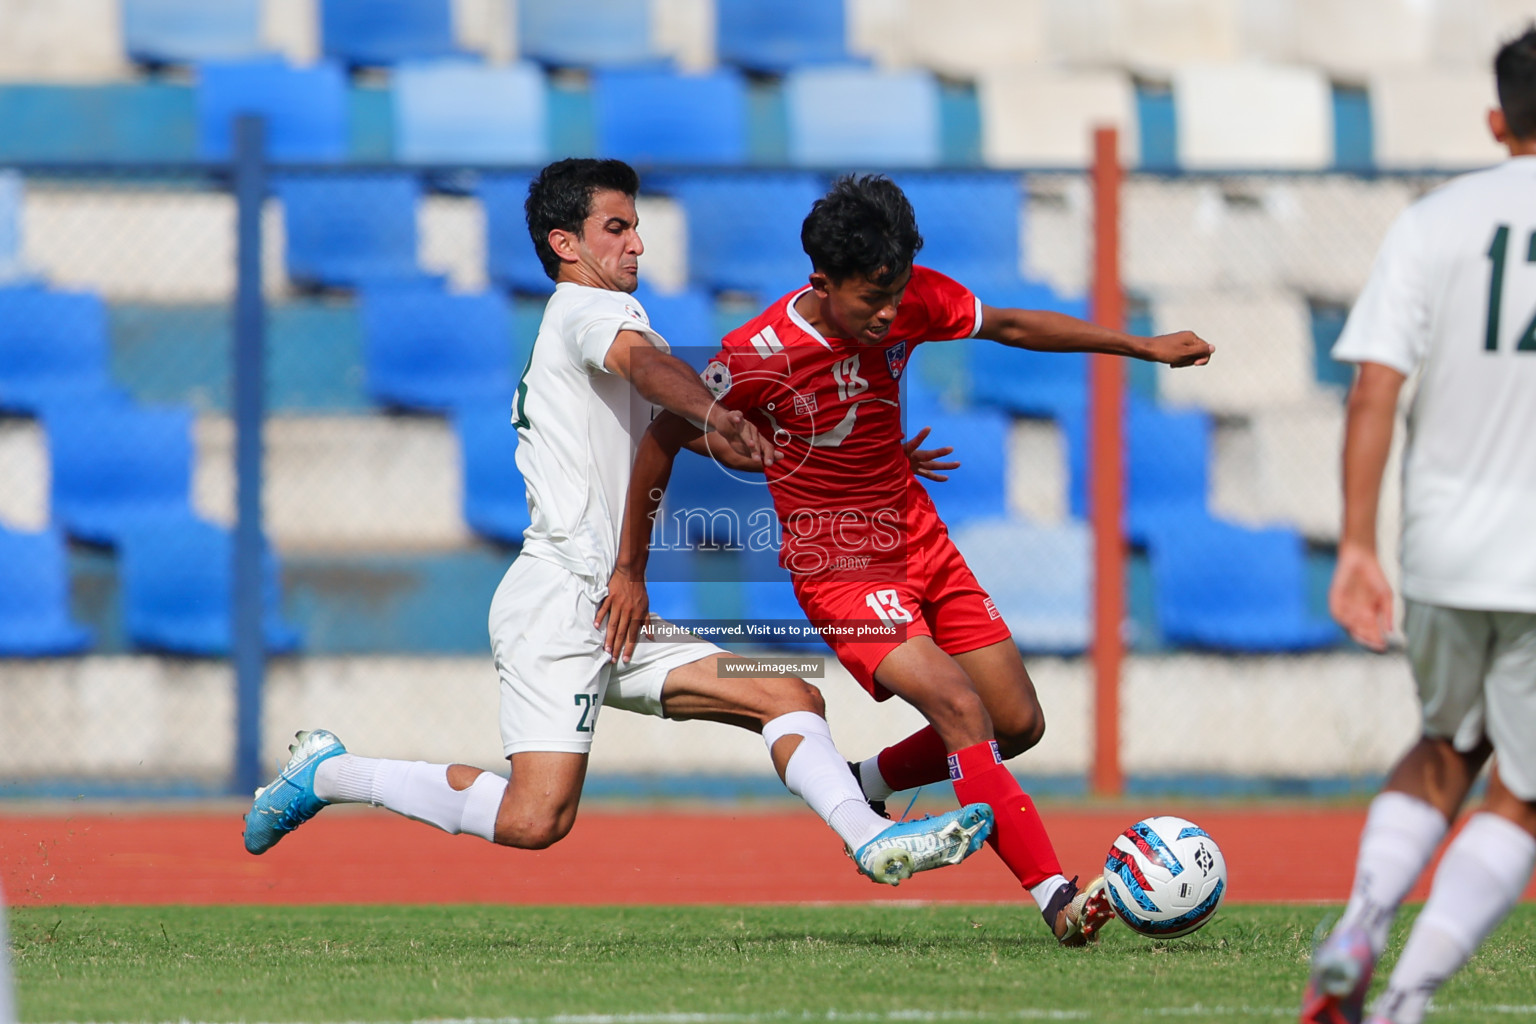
(801, 322)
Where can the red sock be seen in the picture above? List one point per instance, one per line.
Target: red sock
(1019, 835)
(918, 760)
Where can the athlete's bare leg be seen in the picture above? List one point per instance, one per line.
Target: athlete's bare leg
(1437, 773)
(998, 675)
(539, 805)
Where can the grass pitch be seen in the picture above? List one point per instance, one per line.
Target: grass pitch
(685, 965)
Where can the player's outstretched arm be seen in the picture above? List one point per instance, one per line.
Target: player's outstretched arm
(623, 612)
(667, 381)
(1360, 597)
(1045, 331)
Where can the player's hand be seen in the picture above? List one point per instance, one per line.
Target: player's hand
(742, 436)
(1360, 597)
(624, 610)
(1181, 348)
(925, 461)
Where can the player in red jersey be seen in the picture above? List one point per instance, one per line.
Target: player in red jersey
(819, 372)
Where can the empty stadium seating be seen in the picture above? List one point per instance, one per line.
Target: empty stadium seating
(970, 226)
(305, 108)
(587, 33)
(841, 116)
(375, 32)
(744, 229)
(344, 231)
(188, 31)
(177, 586)
(1038, 576)
(977, 490)
(53, 349)
(429, 350)
(1033, 117)
(1266, 352)
(495, 498)
(1230, 588)
(460, 112)
(34, 597)
(116, 466)
(1433, 119)
(1252, 116)
(510, 257)
(777, 35)
(659, 117)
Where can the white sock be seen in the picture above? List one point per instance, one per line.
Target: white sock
(415, 789)
(1046, 890)
(872, 782)
(1477, 884)
(817, 774)
(1401, 834)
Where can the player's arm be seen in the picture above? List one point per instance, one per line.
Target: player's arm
(1360, 597)
(665, 380)
(624, 609)
(1045, 331)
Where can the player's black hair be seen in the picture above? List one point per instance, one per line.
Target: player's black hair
(865, 225)
(1515, 70)
(561, 198)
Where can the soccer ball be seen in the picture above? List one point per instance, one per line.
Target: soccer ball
(1165, 876)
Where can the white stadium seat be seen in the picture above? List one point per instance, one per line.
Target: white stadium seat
(1043, 118)
(292, 28)
(1253, 116)
(24, 468)
(342, 482)
(1168, 234)
(1434, 118)
(1467, 33)
(962, 38)
(1152, 36)
(1355, 39)
(1331, 229)
(1263, 352)
(62, 41)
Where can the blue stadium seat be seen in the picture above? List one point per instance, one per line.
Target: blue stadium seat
(659, 117)
(859, 117)
(185, 31)
(777, 35)
(115, 465)
(671, 576)
(1028, 383)
(383, 32)
(305, 108)
(511, 261)
(744, 229)
(1230, 588)
(979, 488)
(349, 230)
(12, 201)
(714, 507)
(1039, 577)
(34, 597)
(1168, 454)
(686, 319)
(586, 33)
(495, 497)
(53, 349)
(429, 350)
(177, 578)
(970, 222)
(455, 111)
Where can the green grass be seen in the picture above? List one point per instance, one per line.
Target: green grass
(726, 964)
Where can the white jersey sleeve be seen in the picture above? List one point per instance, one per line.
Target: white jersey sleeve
(595, 324)
(1390, 322)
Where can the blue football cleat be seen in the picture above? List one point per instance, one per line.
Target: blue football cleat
(922, 844)
(289, 800)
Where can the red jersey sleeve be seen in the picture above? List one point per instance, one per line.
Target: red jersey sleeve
(949, 308)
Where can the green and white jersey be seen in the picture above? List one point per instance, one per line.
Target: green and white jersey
(577, 427)
(1452, 296)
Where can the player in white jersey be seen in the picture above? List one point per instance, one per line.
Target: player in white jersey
(1452, 299)
(597, 374)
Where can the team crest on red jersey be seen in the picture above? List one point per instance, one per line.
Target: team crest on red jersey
(896, 359)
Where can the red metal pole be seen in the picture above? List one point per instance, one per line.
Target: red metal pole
(1106, 387)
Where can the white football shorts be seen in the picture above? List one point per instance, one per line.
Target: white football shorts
(1476, 673)
(555, 676)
